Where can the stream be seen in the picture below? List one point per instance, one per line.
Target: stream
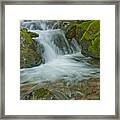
(62, 61)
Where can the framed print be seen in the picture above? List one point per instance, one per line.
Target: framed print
(60, 59)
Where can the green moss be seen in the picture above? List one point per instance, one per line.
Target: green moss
(81, 28)
(29, 58)
(29, 55)
(93, 28)
(87, 33)
(75, 29)
(94, 48)
(41, 92)
(92, 39)
(25, 36)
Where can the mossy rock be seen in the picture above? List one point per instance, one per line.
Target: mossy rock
(94, 47)
(32, 34)
(41, 93)
(92, 39)
(91, 31)
(71, 31)
(81, 28)
(76, 28)
(30, 56)
(87, 34)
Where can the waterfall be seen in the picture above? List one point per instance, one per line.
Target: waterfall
(54, 42)
(39, 24)
(63, 61)
(75, 46)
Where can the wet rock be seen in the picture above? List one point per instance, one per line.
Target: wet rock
(84, 90)
(90, 41)
(30, 56)
(87, 34)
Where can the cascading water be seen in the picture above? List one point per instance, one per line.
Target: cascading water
(62, 61)
(54, 43)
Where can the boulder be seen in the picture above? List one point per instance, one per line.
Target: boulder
(30, 56)
(87, 34)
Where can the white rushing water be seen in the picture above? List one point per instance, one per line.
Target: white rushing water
(62, 61)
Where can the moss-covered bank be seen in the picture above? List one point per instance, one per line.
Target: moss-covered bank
(30, 55)
(87, 33)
